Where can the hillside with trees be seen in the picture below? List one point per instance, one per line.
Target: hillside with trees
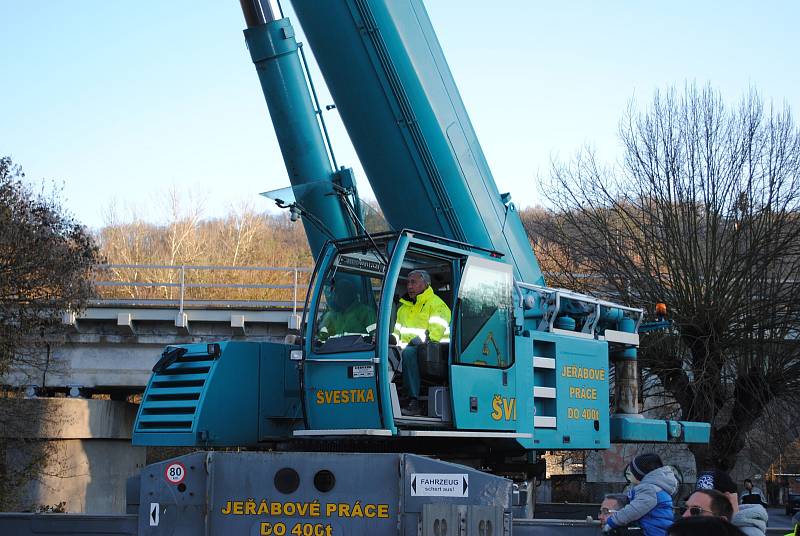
(139, 251)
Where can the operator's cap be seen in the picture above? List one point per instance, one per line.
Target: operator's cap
(717, 480)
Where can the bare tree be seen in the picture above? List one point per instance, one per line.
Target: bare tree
(46, 259)
(773, 435)
(701, 213)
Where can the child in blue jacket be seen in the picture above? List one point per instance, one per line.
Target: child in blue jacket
(650, 498)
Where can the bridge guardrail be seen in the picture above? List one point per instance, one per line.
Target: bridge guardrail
(207, 286)
(202, 286)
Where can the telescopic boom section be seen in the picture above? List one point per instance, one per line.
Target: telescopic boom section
(397, 98)
(258, 12)
(275, 54)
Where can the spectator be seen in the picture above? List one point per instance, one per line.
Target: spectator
(703, 526)
(650, 498)
(752, 495)
(720, 481)
(612, 503)
(708, 502)
(750, 518)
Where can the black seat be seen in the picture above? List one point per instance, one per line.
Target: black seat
(395, 358)
(432, 358)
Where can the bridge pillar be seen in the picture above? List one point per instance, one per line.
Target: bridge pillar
(85, 454)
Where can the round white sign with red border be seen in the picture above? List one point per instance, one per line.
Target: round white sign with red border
(175, 472)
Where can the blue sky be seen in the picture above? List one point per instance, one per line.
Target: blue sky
(121, 101)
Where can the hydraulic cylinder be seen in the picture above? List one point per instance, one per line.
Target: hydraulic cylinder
(275, 53)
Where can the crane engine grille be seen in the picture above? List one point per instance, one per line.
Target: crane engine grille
(171, 400)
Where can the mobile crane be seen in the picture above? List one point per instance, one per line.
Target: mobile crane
(526, 367)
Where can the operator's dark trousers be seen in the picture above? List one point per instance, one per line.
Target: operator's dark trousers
(411, 378)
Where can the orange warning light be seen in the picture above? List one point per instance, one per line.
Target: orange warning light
(661, 309)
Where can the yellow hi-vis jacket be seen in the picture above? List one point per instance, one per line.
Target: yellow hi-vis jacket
(427, 314)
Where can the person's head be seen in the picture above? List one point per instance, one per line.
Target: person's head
(343, 293)
(708, 502)
(418, 281)
(748, 484)
(612, 503)
(641, 465)
(720, 481)
(703, 526)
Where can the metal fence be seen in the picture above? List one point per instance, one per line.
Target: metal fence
(187, 286)
(201, 286)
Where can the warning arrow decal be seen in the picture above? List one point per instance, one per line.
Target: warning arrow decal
(154, 509)
(414, 484)
(465, 486)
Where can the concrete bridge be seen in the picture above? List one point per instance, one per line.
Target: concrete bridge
(111, 347)
(82, 383)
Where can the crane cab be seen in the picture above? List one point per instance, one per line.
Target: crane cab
(352, 380)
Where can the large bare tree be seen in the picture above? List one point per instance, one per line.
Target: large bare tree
(46, 258)
(703, 213)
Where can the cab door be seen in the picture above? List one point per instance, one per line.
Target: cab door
(340, 387)
(484, 394)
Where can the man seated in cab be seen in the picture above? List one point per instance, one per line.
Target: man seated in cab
(421, 317)
(346, 315)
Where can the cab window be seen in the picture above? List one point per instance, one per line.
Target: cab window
(346, 315)
(485, 314)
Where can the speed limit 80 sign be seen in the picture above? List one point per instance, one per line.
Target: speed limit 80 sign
(175, 472)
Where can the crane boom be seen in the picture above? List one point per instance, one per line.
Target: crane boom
(405, 117)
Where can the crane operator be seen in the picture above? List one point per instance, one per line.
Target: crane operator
(421, 317)
(346, 314)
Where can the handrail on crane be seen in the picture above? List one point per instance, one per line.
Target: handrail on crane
(554, 296)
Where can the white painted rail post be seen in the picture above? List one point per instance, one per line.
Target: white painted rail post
(294, 320)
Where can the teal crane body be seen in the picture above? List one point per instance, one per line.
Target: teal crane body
(521, 367)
